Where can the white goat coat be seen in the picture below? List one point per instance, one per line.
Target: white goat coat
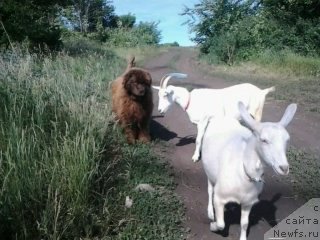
(223, 102)
(223, 151)
(233, 158)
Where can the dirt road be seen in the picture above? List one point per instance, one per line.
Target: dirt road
(277, 199)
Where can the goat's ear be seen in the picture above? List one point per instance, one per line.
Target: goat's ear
(156, 87)
(246, 117)
(288, 114)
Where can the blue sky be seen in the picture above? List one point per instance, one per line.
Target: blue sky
(165, 11)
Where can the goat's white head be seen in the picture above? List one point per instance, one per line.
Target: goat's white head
(166, 92)
(272, 138)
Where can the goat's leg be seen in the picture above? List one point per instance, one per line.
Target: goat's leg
(219, 224)
(202, 125)
(210, 203)
(245, 211)
(196, 154)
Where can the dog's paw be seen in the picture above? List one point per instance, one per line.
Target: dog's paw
(144, 138)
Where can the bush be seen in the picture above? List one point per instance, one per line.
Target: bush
(140, 35)
(237, 30)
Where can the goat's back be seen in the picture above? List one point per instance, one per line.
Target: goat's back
(224, 102)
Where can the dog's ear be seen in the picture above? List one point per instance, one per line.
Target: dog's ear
(148, 79)
(128, 79)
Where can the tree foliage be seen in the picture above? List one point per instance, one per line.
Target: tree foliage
(126, 21)
(235, 29)
(85, 15)
(144, 33)
(35, 20)
(43, 22)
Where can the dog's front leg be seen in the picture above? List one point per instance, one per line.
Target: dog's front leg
(131, 133)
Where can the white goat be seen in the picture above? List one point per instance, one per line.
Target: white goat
(234, 157)
(201, 104)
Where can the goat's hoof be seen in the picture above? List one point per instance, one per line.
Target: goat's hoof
(195, 158)
(243, 237)
(214, 227)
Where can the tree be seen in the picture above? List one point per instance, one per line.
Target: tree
(126, 21)
(237, 29)
(149, 32)
(222, 28)
(211, 18)
(85, 15)
(35, 20)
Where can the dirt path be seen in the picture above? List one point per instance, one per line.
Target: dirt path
(277, 199)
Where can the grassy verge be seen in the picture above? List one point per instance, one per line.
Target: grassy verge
(153, 215)
(64, 168)
(305, 172)
(81, 45)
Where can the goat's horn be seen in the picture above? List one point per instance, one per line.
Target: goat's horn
(164, 80)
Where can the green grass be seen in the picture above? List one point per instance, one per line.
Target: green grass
(289, 63)
(153, 215)
(304, 173)
(65, 169)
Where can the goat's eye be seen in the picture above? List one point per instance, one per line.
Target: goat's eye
(265, 141)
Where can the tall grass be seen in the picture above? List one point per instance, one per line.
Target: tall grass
(289, 63)
(65, 168)
(54, 116)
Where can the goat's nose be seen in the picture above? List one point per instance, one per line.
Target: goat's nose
(284, 168)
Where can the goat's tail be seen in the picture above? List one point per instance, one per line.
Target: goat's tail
(268, 90)
(131, 62)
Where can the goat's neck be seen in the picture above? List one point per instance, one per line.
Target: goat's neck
(252, 164)
(181, 97)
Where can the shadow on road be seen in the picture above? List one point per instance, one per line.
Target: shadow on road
(159, 131)
(186, 140)
(263, 210)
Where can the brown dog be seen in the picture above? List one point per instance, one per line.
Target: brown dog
(132, 102)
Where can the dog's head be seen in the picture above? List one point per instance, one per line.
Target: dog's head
(137, 82)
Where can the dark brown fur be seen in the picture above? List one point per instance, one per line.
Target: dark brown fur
(132, 102)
